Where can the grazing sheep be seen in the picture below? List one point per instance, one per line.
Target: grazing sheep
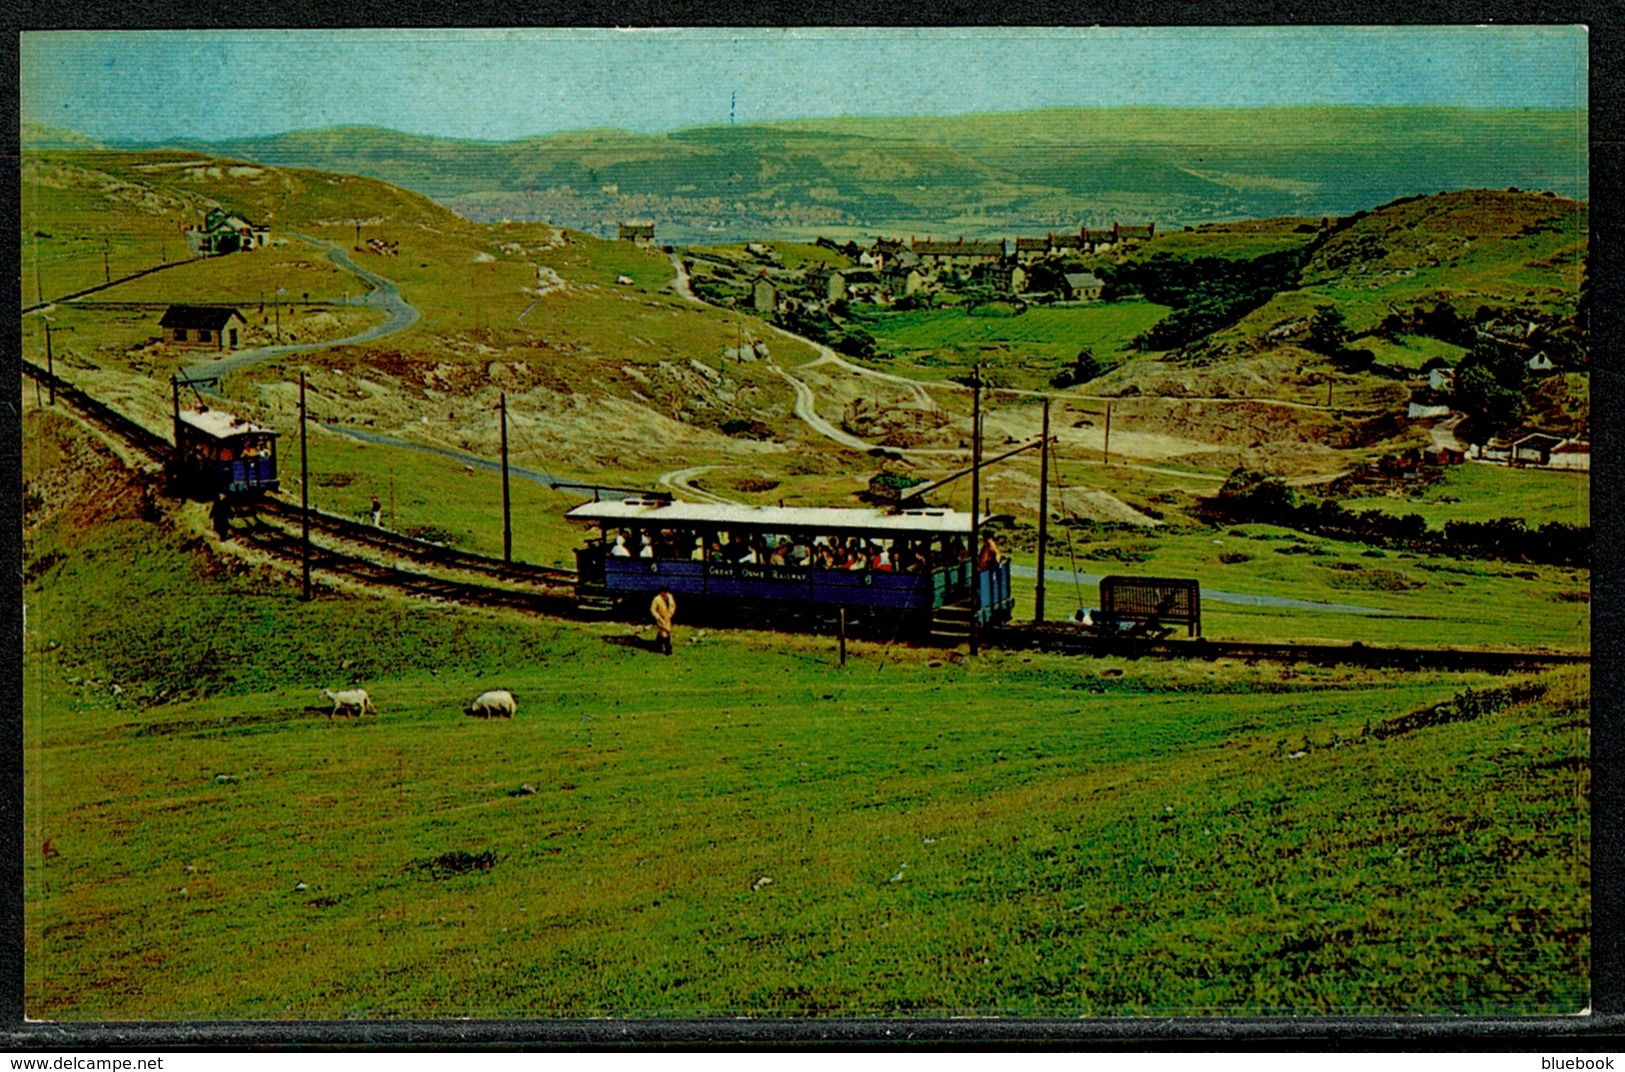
(347, 698)
(497, 703)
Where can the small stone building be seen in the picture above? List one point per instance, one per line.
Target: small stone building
(210, 327)
(765, 296)
(1083, 286)
(640, 231)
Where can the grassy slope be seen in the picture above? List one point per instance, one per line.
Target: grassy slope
(475, 284)
(1486, 492)
(1021, 835)
(1028, 349)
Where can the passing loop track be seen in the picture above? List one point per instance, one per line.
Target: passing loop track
(360, 554)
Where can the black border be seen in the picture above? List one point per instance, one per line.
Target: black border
(1602, 1031)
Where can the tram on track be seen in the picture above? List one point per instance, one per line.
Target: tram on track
(217, 453)
(916, 562)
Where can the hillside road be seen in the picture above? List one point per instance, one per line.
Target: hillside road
(383, 294)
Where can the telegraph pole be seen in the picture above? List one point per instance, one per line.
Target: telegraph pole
(50, 363)
(304, 492)
(1108, 449)
(1043, 516)
(507, 525)
(107, 271)
(975, 499)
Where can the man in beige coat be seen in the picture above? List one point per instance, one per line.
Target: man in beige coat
(663, 609)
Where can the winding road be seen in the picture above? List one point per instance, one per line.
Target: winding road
(383, 294)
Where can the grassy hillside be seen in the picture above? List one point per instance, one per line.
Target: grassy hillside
(541, 313)
(971, 174)
(746, 828)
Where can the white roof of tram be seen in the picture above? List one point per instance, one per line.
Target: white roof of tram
(220, 424)
(827, 519)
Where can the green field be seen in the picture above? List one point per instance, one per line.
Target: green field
(1475, 492)
(1028, 348)
(749, 828)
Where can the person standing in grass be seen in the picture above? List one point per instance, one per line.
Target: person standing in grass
(377, 513)
(663, 609)
(220, 514)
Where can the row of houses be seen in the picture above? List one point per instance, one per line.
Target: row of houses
(883, 286)
(970, 253)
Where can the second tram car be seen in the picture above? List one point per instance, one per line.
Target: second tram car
(217, 453)
(911, 561)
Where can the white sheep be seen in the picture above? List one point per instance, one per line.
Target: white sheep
(496, 703)
(347, 698)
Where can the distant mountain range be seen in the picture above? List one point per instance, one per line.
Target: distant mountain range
(986, 175)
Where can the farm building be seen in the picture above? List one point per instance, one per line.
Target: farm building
(1083, 286)
(1539, 363)
(213, 327)
(225, 232)
(764, 295)
(1534, 449)
(1571, 455)
(640, 231)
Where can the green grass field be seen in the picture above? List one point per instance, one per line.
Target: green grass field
(1485, 492)
(748, 828)
(1021, 836)
(1027, 349)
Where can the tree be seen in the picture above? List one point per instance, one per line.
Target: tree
(1327, 330)
(1085, 367)
(1250, 495)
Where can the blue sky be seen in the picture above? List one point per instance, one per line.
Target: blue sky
(503, 84)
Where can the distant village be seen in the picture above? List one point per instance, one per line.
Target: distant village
(893, 270)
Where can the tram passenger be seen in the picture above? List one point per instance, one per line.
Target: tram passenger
(714, 554)
(800, 553)
(991, 555)
(619, 550)
(646, 547)
(856, 557)
(882, 560)
(698, 554)
(780, 555)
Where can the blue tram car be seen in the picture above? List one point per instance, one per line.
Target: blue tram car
(217, 453)
(915, 562)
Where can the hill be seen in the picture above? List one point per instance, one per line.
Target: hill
(36, 137)
(989, 174)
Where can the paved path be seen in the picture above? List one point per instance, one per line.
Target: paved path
(678, 480)
(383, 295)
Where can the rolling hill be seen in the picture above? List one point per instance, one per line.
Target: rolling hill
(983, 174)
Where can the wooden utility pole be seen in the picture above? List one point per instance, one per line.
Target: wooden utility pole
(1108, 447)
(1043, 516)
(975, 499)
(843, 634)
(50, 363)
(507, 524)
(304, 493)
(107, 271)
(392, 502)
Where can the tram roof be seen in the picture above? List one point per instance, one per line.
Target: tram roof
(220, 424)
(930, 520)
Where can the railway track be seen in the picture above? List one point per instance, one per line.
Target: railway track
(352, 550)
